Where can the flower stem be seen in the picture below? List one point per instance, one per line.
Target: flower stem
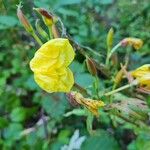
(81, 89)
(36, 38)
(122, 88)
(50, 32)
(96, 84)
(111, 52)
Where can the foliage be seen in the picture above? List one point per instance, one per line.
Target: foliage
(27, 113)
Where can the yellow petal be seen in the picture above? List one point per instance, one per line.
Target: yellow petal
(47, 83)
(41, 63)
(55, 53)
(66, 82)
(145, 80)
(92, 105)
(55, 82)
(66, 53)
(139, 72)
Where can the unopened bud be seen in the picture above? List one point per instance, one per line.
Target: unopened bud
(91, 66)
(24, 20)
(110, 36)
(47, 17)
(40, 30)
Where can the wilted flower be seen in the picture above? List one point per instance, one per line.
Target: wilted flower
(90, 104)
(50, 66)
(135, 42)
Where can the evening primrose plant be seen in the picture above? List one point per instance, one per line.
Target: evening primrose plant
(51, 68)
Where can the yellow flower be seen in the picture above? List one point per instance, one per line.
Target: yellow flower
(139, 72)
(90, 104)
(142, 74)
(135, 42)
(50, 66)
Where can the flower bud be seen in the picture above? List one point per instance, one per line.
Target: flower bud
(91, 66)
(135, 42)
(40, 30)
(24, 20)
(47, 17)
(110, 36)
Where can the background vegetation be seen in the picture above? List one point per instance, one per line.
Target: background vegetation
(22, 102)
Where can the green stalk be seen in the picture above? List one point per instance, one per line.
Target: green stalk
(122, 88)
(96, 83)
(111, 52)
(89, 122)
(37, 38)
(50, 32)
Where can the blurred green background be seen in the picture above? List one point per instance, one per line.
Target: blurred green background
(22, 101)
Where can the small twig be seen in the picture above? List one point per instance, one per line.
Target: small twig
(143, 90)
(44, 123)
(135, 82)
(63, 28)
(81, 89)
(32, 129)
(128, 120)
(127, 74)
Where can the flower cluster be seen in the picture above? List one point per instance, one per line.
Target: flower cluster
(50, 66)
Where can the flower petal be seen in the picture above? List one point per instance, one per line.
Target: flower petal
(59, 83)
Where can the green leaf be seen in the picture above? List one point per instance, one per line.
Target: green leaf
(18, 114)
(31, 84)
(106, 2)
(55, 105)
(103, 141)
(3, 122)
(76, 67)
(141, 143)
(68, 2)
(13, 131)
(77, 112)
(64, 136)
(7, 22)
(84, 79)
